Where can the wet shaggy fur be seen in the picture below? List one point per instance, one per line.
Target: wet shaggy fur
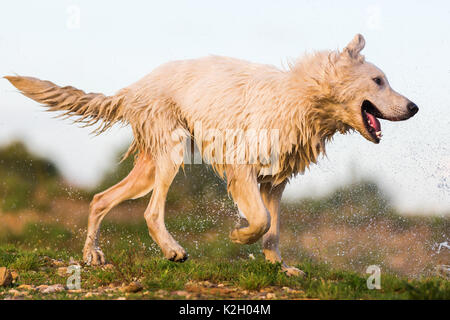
(317, 96)
(298, 102)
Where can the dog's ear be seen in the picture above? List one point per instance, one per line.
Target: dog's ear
(355, 46)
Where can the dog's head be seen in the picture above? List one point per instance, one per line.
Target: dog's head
(360, 93)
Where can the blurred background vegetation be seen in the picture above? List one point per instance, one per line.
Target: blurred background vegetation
(27, 181)
(351, 228)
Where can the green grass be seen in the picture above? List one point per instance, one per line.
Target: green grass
(135, 258)
(156, 274)
(332, 238)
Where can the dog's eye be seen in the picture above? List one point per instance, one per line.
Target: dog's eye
(378, 81)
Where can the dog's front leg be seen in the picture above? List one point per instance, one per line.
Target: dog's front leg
(271, 196)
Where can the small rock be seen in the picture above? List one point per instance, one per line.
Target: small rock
(180, 293)
(289, 290)
(14, 275)
(133, 287)
(5, 277)
(18, 294)
(41, 287)
(57, 263)
(207, 284)
(75, 291)
(114, 285)
(62, 271)
(270, 296)
(161, 293)
(51, 289)
(25, 287)
(14, 292)
(108, 266)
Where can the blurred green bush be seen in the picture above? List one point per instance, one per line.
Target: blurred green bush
(26, 181)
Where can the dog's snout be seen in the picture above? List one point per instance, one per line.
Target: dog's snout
(412, 108)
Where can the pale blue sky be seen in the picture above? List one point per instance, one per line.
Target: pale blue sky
(117, 42)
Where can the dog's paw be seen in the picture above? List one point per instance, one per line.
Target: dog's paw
(93, 257)
(234, 236)
(292, 271)
(241, 237)
(176, 255)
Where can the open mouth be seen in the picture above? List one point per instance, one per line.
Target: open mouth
(370, 115)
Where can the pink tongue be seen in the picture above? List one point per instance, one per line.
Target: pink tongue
(374, 122)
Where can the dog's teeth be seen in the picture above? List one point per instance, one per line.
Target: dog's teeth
(378, 134)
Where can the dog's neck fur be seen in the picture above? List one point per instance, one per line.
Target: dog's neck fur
(313, 121)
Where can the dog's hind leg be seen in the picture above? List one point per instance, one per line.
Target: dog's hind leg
(138, 183)
(271, 196)
(243, 186)
(154, 214)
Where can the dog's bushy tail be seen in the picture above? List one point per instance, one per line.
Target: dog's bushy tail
(89, 108)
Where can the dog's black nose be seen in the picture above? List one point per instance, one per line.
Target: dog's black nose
(412, 108)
